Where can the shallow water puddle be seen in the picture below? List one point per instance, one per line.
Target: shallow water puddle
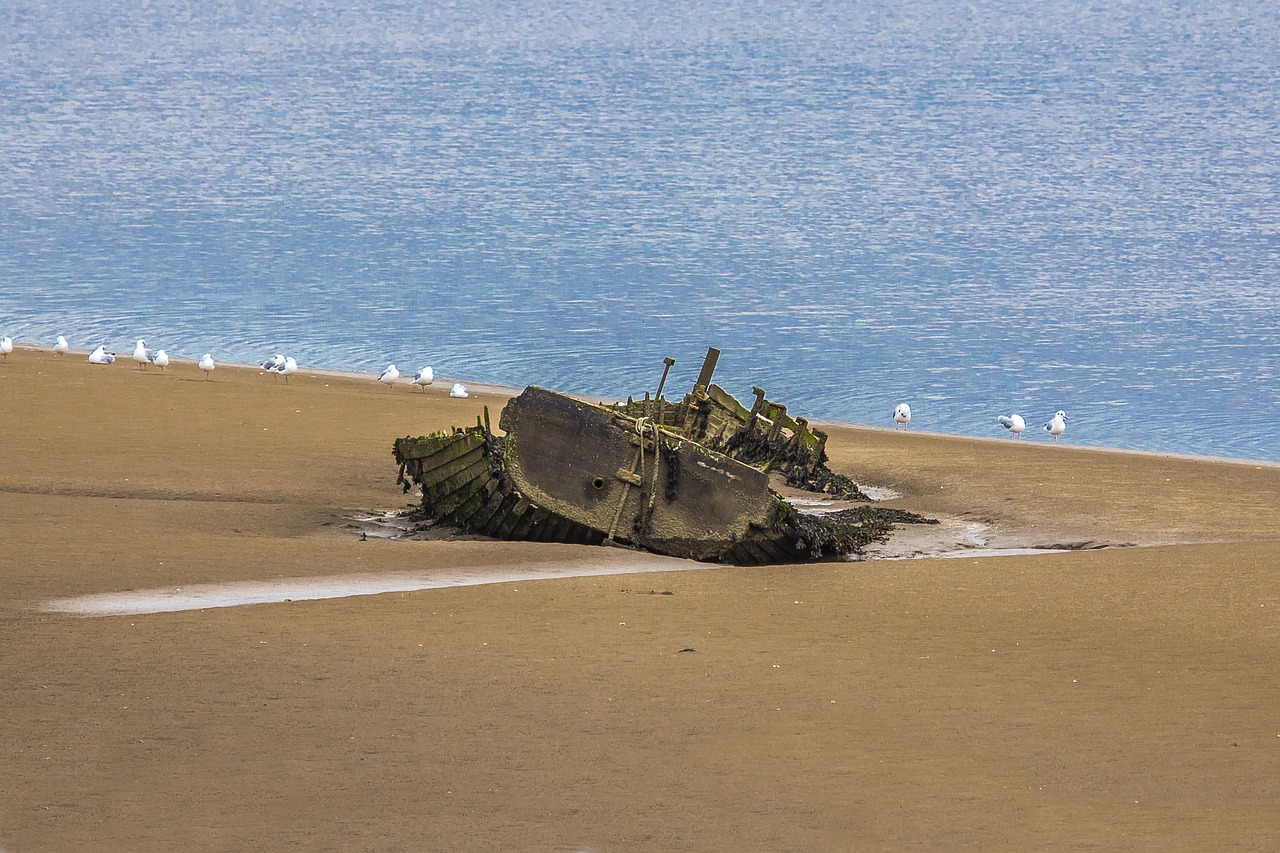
(821, 506)
(997, 552)
(237, 593)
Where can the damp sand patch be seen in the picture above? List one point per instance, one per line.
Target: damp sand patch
(951, 538)
(959, 537)
(998, 552)
(241, 593)
(283, 590)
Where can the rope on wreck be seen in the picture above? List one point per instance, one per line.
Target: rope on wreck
(657, 457)
(626, 486)
(641, 423)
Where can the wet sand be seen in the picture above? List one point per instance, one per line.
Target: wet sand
(1111, 698)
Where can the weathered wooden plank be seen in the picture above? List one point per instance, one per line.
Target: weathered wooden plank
(467, 514)
(491, 515)
(462, 446)
(427, 446)
(513, 518)
(531, 518)
(553, 529)
(478, 468)
(752, 550)
(502, 516)
(442, 473)
(458, 497)
(770, 547)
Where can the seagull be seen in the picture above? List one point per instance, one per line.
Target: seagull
(101, 356)
(1058, 425)
(273, 365)
(6, 346)
(207, 365)
(61, 347)
(389, 376)
(1013, 423)
(423, 378)
(902, 415)
(142, 355)
(162, 359)
(458, 390)
(287, 368)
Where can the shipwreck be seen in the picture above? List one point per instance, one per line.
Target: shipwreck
(689, 479)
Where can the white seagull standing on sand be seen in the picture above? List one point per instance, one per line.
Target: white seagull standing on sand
(389, 376)
(162, 359)
(287, 368)
(142, 355)
(1058, 425)
(902, 415)
(1013, 423)
(101, 356)
(458, 390)
(273, 365)
(60, 348)
(6, 346)
(423, 378)
(207, 365)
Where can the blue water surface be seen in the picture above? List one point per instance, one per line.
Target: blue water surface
(975, 208)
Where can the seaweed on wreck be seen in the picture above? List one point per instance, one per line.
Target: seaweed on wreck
(799, 468)
(672, 456)
(848, 531)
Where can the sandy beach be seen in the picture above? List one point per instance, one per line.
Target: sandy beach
(1119, 693)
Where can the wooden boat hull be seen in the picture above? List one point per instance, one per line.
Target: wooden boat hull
(570, 471)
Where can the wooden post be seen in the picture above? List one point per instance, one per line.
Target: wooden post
(708, 368)
(700, 392)
(669, 362)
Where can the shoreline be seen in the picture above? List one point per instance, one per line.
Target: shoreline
(505, 390)
(1159, 454)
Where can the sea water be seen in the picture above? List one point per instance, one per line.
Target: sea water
(974, 208)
